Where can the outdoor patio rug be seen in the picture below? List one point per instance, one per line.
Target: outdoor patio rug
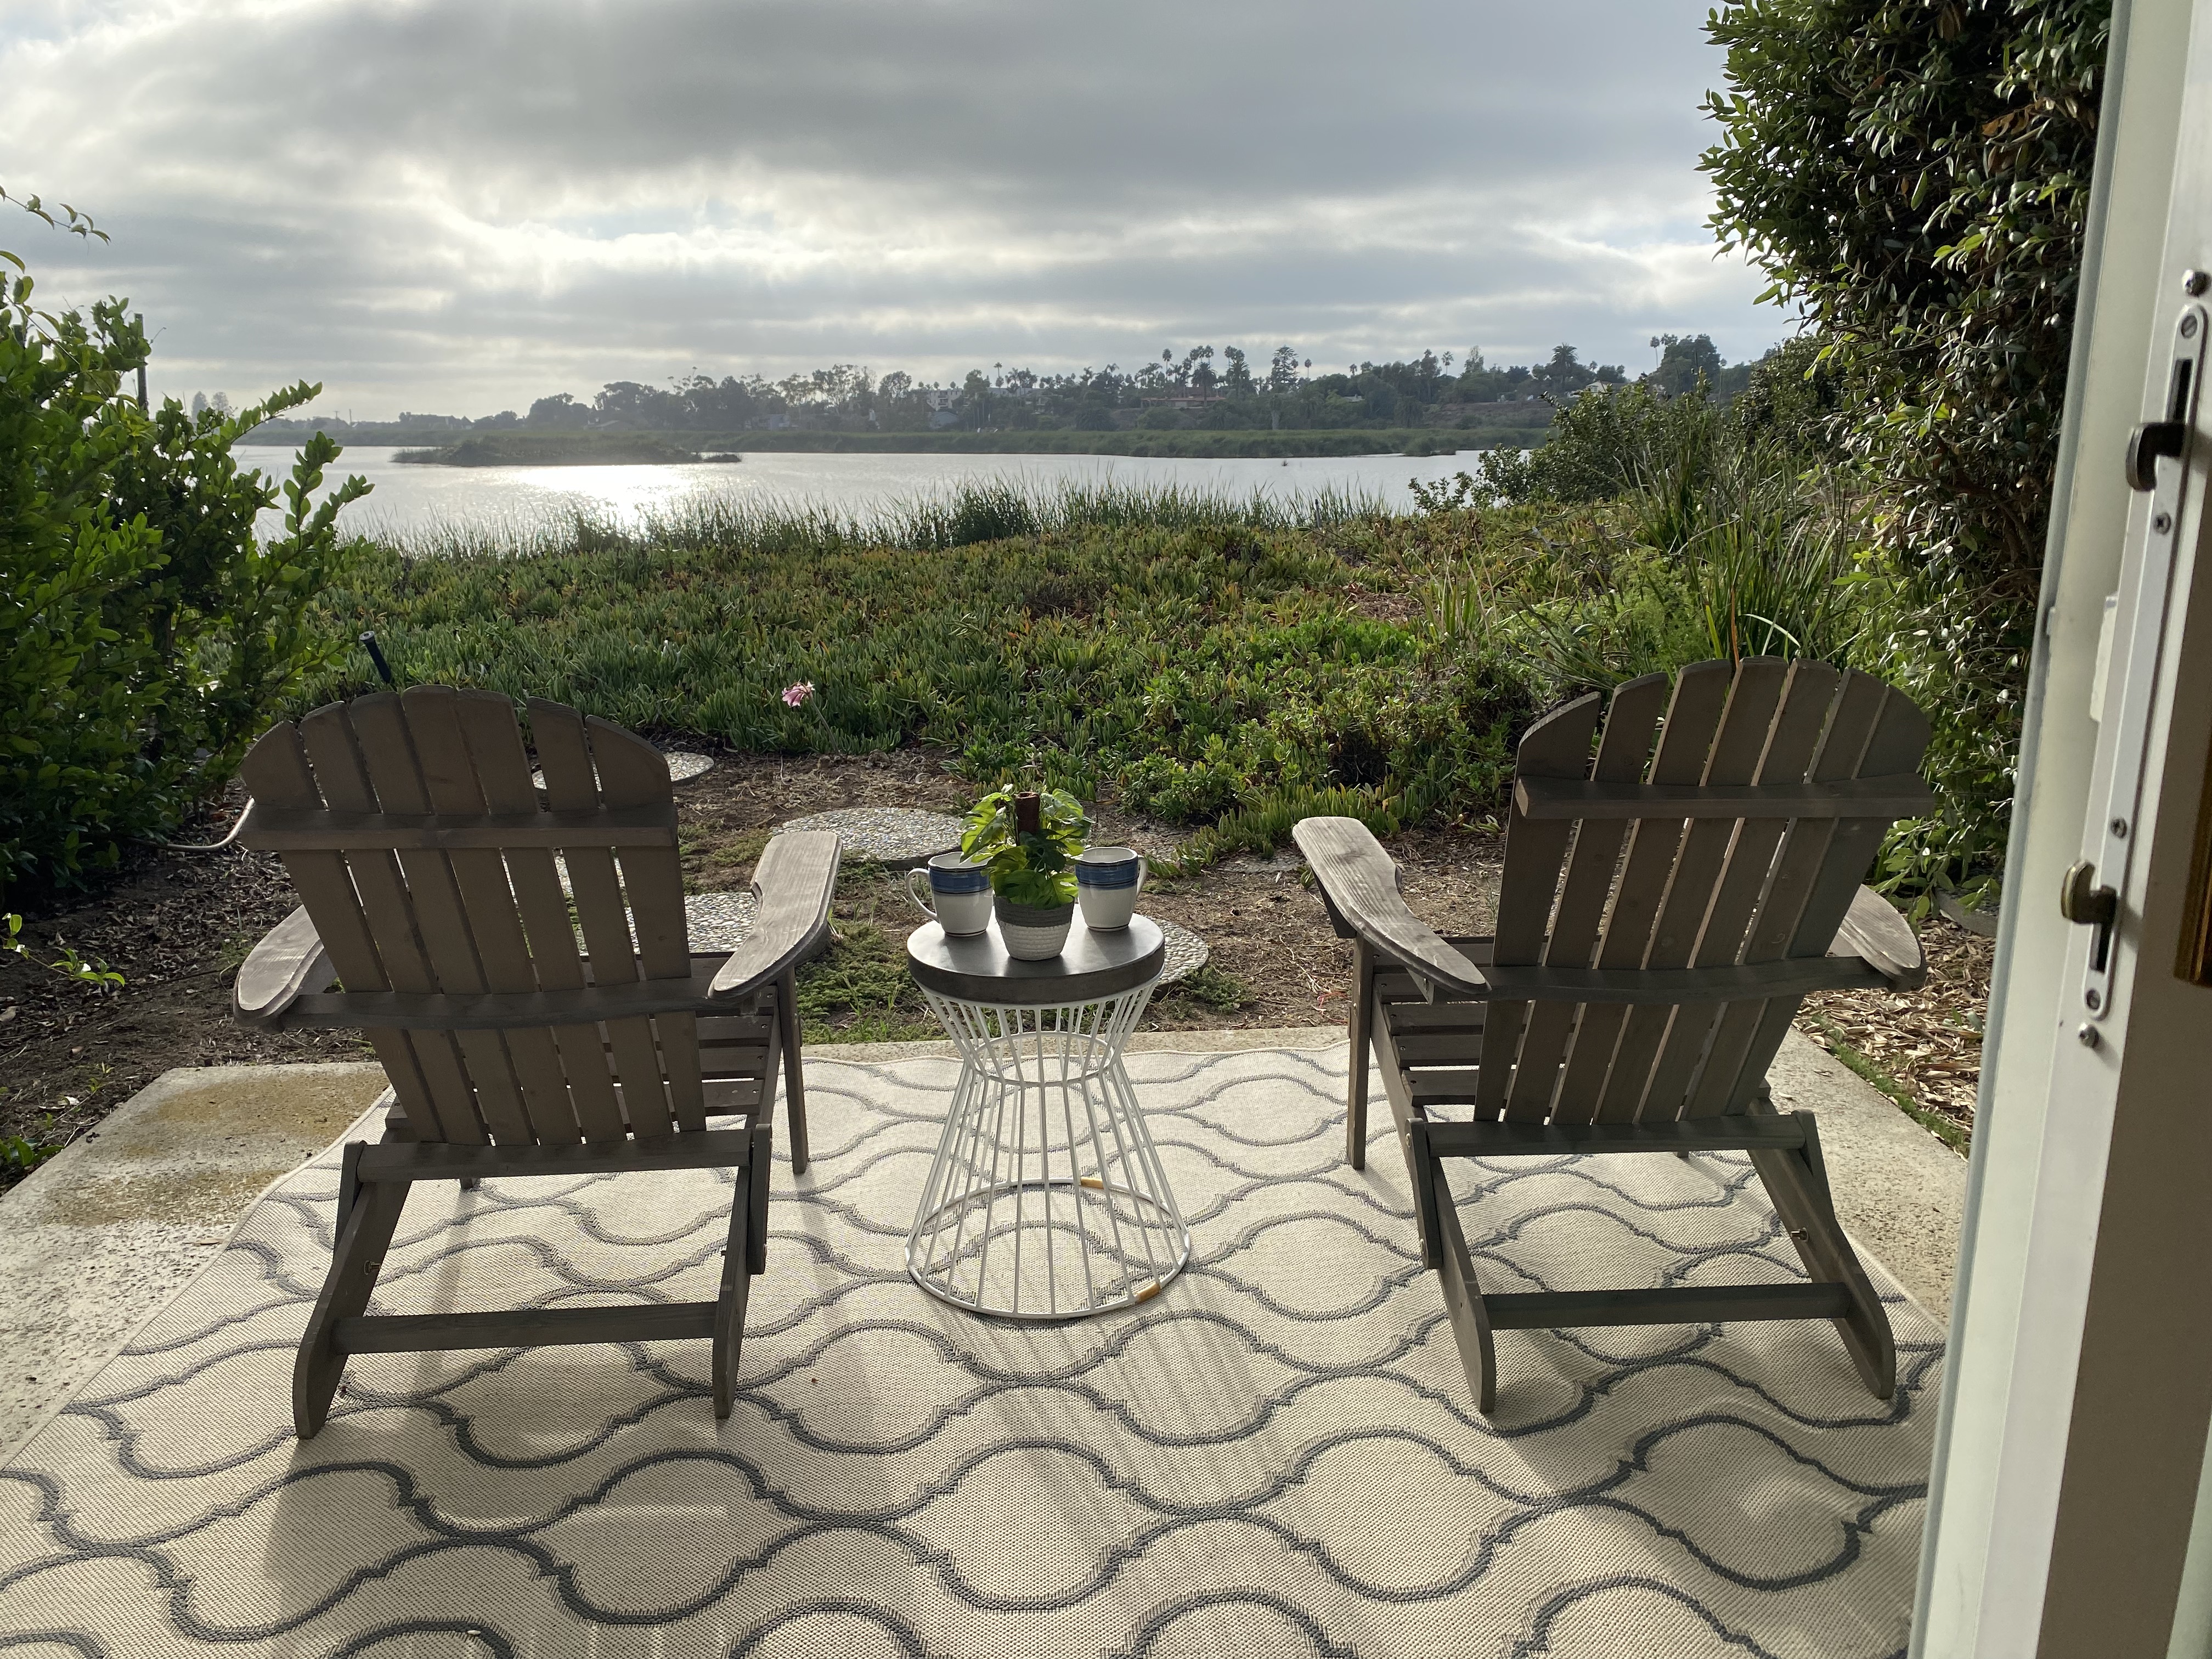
(1275, 1456)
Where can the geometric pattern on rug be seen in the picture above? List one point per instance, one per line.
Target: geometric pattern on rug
(1275, 1456)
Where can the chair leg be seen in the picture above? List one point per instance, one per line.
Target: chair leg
(1355, 1093)
(371, 1217)
(757, 1176)
(795, 1081)
(1797, 1182)
(1424, 1170)
(1463, 1295)
(730, 1303)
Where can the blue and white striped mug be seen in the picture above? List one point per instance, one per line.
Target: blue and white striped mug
(961, 890)
(1107, 882)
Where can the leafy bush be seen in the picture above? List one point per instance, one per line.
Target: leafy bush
(1604, 442)
(1914, 180)
(1964, 667)
(145, 633)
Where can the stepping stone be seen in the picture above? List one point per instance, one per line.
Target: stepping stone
(683, 765)
(1187, 951)
(902, 837)
(718, 921)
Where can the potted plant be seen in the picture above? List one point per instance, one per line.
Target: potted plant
(1029, 839)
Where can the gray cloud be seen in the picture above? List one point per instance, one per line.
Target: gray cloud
(465, 204)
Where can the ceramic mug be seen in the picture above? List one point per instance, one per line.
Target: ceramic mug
(1107, 882)
(961, 889)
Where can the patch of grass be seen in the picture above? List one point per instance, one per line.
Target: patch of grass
(1230, 664)
(1950, 1134)
(744, 848)
(1210, 987)
(860, 991)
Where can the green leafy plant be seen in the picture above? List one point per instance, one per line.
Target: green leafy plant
(1028, 867)
(147, 633)
(19, 1156)
(1914, 179)
(89, 971)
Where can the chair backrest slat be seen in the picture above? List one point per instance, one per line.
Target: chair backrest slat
(276, 770)
(632, 773)
(1623, 749)
(1685, 741)
(572, 784)
(1728, 1081)
(449, 776)
(1690, 892)
(342, 775)
(1744, 727)
(1686, 737)
(492, 919)
(1558, 745)
(502, 769)
(439, 911)
(1896, 743)
(1808, 693)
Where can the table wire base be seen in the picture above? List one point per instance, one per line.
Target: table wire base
(1046, 1200)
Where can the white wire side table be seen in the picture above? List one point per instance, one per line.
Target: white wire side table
(1046, 1200)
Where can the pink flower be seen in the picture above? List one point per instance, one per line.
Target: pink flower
(795, 695)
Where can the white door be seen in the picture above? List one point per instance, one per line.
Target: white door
(2075, 1409)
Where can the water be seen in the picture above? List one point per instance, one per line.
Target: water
(409, 499)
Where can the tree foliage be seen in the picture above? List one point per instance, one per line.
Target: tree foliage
(145, 632)
(1915, 178)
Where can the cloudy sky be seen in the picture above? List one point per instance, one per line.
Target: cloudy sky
(459, 205)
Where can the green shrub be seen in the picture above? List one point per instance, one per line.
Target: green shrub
(1605, 443)
(145, 633)
(1914, 182)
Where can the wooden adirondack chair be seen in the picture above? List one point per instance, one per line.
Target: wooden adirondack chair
(1666, 905)
(411, 827)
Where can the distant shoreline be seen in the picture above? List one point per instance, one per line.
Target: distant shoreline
(619, 449)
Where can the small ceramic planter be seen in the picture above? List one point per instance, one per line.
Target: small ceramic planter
(1033, 932)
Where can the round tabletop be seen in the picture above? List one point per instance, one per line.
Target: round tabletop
(976, 968)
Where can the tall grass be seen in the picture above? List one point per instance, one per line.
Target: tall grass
(974, 512)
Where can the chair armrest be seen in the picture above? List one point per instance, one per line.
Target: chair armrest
(1877, 935)
(289, 961)
(1360, 881)
(794, 882)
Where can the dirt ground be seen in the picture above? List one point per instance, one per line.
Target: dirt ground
(176, 925)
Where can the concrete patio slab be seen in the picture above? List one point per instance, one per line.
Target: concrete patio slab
(99, 1239)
